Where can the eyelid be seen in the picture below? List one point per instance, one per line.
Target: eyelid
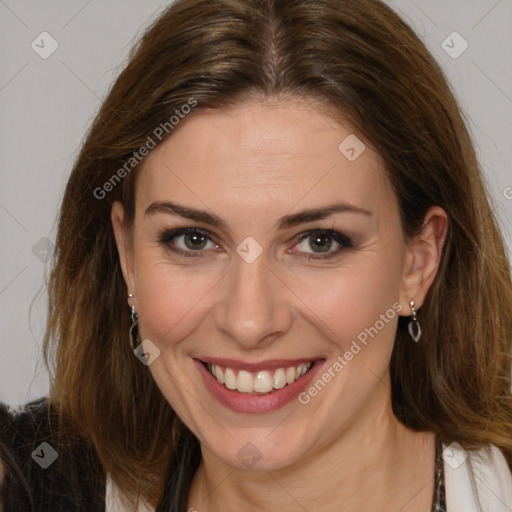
(172, 233)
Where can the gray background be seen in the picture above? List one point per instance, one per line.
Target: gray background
(47, 105)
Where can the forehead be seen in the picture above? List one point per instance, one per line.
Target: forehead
(258, 155)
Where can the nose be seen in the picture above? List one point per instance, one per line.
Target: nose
(255, 308)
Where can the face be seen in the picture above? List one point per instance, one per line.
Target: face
(257, 289)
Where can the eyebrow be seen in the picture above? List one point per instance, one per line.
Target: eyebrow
(287, 221)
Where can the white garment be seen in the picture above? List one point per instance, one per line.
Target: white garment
(492, 477)
(113, 501)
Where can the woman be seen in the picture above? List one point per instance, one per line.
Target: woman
(278, 283)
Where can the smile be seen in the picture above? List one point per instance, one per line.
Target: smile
(261, 382)
(256, 387)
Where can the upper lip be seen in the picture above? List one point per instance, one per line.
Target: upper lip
(270, 364)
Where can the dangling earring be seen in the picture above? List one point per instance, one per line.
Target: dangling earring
(134, 328)
(414, 325)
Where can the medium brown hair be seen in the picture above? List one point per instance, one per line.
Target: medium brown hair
(365, 65)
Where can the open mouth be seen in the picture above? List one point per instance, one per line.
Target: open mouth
(262, 382)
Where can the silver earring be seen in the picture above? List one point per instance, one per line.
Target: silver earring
(134, 329)
(130, 295)
(414, 325)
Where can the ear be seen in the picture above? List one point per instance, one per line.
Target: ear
(124, 244)
(422, 259)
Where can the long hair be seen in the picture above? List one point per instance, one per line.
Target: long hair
(365, 65)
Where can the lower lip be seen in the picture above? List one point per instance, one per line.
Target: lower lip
(241, 402)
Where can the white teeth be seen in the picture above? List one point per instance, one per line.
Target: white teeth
(244, 382)
(219, 375)
(264, 381)
(303, 368)
(230, 379)
(279, 379)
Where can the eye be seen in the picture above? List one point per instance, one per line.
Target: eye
(323, 239)
(186, 241)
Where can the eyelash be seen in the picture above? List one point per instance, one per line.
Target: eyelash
(168, 236)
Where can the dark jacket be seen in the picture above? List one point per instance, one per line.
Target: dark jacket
(63, 475)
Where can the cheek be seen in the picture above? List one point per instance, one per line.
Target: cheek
(351, 299)
(169, 297)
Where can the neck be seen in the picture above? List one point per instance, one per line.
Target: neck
(376, 464)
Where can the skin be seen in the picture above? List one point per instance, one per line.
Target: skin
(251, 165)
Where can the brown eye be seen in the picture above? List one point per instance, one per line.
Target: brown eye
(194, 240)
(321, 241)
(187, 241)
